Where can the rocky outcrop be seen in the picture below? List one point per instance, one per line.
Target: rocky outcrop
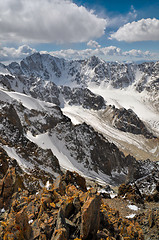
(9, 119)
(4, 163)
(128, 121)
(82, 97)
(31, 162)
(136, 193)
(149, 222)
(90, 219)
(130, 192)
(76, 214)
(8, 185)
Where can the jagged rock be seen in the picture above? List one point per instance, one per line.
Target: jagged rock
(60, 234)
(35, 229)
(157, 187)
(148, 183)
(8, 185)
(154, 197)
(3, 163)
(10, 120)
(61, 231)
(131, 193)
(22, 221)
(83, 97)
(105, 195)
(81, 215)
(61, 223)
(76, 179)
(128, 121)
(31, 162)
(151, 219)
(90, 218)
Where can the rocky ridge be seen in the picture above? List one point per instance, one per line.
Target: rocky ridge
(93, 69)
(46, 69)
(128, 121)
(67, 210)
(32, 135)
(39, 76)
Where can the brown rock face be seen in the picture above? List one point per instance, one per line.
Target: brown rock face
(74, 214)
(130, 192)
(3, 163)
(8, 185)
(60, 234)
(76, 179)
(90, 218)
(22, 221)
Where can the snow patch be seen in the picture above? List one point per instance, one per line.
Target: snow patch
(30, 221)
(27, 101)
(131, 215)
(133, 207)
(2, 210)
(48, 184)
(25, 166)
(66, 161)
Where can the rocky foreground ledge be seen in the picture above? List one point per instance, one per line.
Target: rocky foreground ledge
(66, 209)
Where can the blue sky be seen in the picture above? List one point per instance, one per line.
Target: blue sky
(113, 30)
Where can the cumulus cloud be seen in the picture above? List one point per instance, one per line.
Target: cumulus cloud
(13, 54)
(58, 21)
(93, 44)
(142, 30)
(139, 53)
(106, 52)
(110, 53)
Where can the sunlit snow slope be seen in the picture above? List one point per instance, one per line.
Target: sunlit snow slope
(131, 99)
(136, 145)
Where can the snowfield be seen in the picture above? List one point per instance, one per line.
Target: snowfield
(131, 99)
(26, 101)
(144, 148)
(67, 162)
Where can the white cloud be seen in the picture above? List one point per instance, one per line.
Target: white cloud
(59, 21)
(13, 54)
(93, 44)
(111, 52)
(139, 53)
(142, 30)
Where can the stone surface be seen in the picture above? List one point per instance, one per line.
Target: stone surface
(60, 234)
(128, 121)
(131, 193)
(72, 214)
(90, 218)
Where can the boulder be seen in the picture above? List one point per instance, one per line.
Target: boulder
(22, 221)
(90, 218)
(130, 192)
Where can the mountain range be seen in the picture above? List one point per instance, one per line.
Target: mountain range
(97, 118)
